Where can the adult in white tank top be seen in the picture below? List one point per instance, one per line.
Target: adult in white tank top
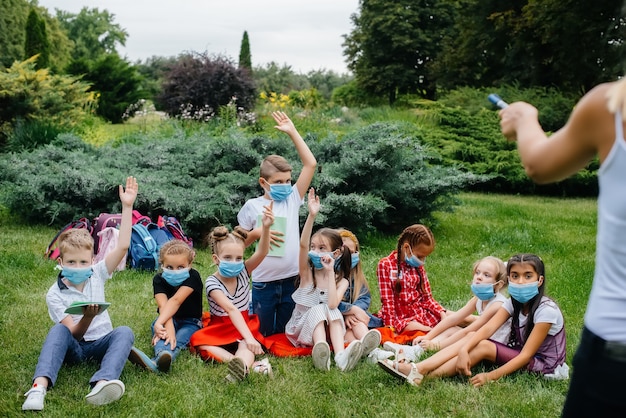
(595, 128)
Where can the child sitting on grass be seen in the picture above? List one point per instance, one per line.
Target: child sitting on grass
(233, 335)
(178, 293)
(77, 338)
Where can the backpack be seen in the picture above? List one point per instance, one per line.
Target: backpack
(143, 250)
(107, 241)
(100, 222)
(174, 229)
(52, 250)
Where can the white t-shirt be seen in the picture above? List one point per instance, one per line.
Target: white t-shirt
(274, 268)
(547, 311)
(60, 297)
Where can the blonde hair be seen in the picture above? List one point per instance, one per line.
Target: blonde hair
(273, 164)
(501, 274)
(75, 239)
(357, 277)
(220, 234)
(176, 247)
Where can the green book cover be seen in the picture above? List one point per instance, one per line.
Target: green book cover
(76, 308)
(280, 225)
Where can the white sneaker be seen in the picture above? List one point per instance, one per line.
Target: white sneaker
(321, 355)
(412, 353)
(348, 358)
(34, 398)
(370, 341)
(106, 392)
(378, 354)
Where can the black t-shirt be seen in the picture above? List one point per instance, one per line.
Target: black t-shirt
(192, 305)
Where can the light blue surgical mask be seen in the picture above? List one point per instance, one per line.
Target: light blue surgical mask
(77, 275)
(279, 192)
(175, 277)
(523, 292)
(230, 268)
(354, 260)
(483, 291)
(316, 258)
(413, 261)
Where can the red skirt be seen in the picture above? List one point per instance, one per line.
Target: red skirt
(220, 331)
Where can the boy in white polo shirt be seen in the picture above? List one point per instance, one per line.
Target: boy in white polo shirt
(88, 334)
(273, 281)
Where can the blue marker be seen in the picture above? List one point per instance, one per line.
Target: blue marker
(496, 100)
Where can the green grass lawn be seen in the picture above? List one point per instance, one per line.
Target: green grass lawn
(561, 231)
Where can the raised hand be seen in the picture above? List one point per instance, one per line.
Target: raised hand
(284, 123)
(129, 194)
(268, 215)
(314, 202)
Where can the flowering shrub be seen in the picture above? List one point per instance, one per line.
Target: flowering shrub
(272, 98)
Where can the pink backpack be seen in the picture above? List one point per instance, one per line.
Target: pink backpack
(107, 241)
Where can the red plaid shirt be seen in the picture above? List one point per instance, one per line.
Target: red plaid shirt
(411, 304)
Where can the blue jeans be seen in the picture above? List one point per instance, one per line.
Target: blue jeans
(597, 382)
(111, 351)
(184, 328)
(273, 304)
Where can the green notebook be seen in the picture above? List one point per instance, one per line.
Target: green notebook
(76, 308)
(280, 225)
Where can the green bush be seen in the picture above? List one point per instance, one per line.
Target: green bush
(475, 143)
(377, 177)
(36, 95)
(28, 135)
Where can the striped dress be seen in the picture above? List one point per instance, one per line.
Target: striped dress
(220, 331)
(311, 309)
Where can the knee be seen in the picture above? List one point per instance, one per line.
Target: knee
(125, 333)
(60, 329)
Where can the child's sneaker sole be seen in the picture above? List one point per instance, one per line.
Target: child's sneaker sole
(236, 370)
(321, 356)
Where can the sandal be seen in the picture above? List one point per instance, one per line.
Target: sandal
(392, 367)
(237, 370)
(263, 367)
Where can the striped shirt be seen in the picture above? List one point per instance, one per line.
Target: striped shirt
(241, 297)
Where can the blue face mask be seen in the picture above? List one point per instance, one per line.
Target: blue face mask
(316, 259)
(280, 192)
(230, 268)
(483, 291)
(175, 277)
(354, 260)
(77, 275)
(413, 261)
(523, 292)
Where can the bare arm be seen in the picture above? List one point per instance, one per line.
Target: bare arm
(306, 156)
(305, 235)
(237, 320)
(449, 321)
(79, 329)
(589, 131)
(535, 339)
(127, 197)
(264, 244)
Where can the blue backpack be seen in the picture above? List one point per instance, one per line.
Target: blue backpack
(143, 252)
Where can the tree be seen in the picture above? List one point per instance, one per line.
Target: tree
(115, 80)
(533, 43)
(394, 43)
(245, 59)
(37, 40)
(198, 84)
(93, 32)
(29, 94)
(13, 15)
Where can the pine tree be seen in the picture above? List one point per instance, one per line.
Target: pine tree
(37, 40)
(245, 59)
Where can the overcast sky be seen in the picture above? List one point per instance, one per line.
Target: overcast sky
(305, 34)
